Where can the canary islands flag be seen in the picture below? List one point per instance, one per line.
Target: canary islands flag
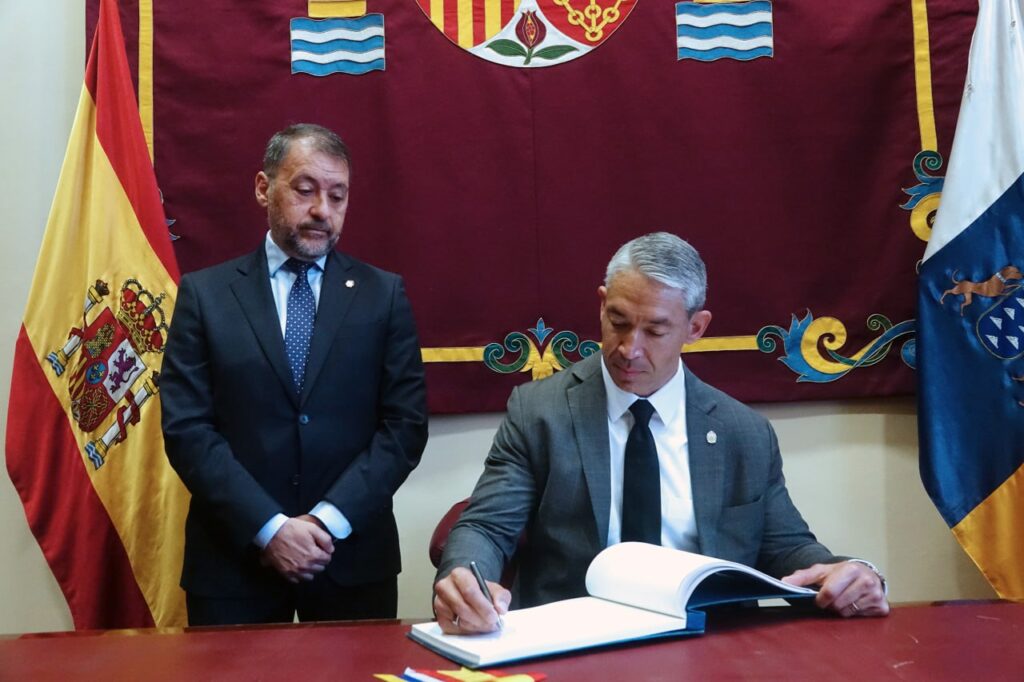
(971, 312)
(84, 447)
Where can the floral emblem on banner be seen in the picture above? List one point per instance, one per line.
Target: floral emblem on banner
(106, 358)
(812, 346)
(527, 33)
(543, 360)
(925, 195)
(530, 32)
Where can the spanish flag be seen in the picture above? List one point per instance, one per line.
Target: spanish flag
(84, 447)
(971, 312)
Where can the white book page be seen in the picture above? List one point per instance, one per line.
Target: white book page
(659, 578)
(647, 576)
(558, 626)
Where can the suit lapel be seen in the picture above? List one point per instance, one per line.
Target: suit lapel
(707, 470)
(589, 409)
(252, 290)
(335, 299)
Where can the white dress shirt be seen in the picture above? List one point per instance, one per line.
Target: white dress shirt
(668, 426)
(281, 281)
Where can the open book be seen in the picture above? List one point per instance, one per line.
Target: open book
(637, 591)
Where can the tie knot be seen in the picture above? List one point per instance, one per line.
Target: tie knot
(642, 411)
(299, 267)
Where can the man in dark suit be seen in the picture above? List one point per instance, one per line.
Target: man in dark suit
(629, 445)
(293, 407)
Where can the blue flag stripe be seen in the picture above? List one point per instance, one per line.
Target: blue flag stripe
(723, 53)
(351, 68)
(969, 416)
(703, 10)
(752, 31)
(372, 43)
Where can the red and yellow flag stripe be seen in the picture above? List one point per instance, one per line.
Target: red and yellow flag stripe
(468, 23)
(112, 534)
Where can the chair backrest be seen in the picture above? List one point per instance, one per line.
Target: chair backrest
(440, 538)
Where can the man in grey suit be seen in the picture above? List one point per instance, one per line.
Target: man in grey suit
(568, 464)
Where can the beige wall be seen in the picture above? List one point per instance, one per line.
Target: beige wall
(852, 467)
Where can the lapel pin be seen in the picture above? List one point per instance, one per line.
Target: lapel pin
(712, 437)
(349, 283)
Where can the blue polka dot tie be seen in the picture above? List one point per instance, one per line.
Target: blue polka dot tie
(298, 329)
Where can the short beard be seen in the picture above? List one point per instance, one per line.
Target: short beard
(304, 251)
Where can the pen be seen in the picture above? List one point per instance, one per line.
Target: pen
(483, 588)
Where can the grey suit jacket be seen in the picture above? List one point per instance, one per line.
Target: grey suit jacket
(548, 472)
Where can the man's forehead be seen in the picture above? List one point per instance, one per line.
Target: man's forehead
(633, 284)
(643, 316)
(636, 295)
(317, 167)
(330, 178)
(304, 153)
(659, 311)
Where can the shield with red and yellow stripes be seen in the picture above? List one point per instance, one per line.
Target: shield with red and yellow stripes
(527, 33)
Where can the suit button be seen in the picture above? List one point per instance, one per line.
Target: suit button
(303, 418)
(295, 479)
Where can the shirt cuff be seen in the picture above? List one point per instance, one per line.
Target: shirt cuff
(336, 523)
(874, 569)
(269, 530)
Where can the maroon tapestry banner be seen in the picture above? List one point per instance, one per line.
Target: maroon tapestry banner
(503, 149)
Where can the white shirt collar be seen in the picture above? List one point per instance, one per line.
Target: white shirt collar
(667, 400)
(277, 258)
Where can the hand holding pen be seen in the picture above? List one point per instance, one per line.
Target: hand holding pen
(465, 603)
(483, 588)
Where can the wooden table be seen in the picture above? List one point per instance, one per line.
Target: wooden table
(928, 642)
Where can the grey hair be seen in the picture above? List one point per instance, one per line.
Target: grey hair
(667, 259)
(324, 140)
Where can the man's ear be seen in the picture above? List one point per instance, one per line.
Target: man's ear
(699, 322)
(602, 294)
(262, 189)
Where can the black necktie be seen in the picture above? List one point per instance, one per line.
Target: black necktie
(298, 329)
(641, 480)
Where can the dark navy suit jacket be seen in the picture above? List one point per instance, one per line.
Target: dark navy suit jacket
(247, 446)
